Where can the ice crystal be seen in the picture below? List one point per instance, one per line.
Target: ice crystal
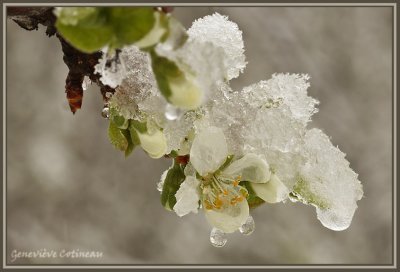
(288, 90)
(111, 68)
(327, 176)
(139, 86)
(223, 33)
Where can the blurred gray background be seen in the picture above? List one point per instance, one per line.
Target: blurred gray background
(68, 188)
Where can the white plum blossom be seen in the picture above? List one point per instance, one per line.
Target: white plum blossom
(222, 197)
(241, 144)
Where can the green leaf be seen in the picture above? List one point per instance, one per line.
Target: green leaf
(130, 24)
(84, 38)
(87, 30)
(156, 34)
(139, 126)
(73, 15)
(134, 136)
(252, 199)
(301, 192)
(117, 137)
(91, 29)
(131, 145)
(164, 69)
(120, 121)
(173, 181)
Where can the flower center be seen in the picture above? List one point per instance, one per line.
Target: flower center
(222, 192)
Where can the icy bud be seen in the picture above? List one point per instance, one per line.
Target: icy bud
(327, 182)
(225, 34)
(177, 85)
(150, 137)
(202, 65)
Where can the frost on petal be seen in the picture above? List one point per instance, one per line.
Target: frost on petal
(328, 182)
(272, 192)
(230, 219)
(250, 168)
(223, 33)
(187, 197)
(209, 150)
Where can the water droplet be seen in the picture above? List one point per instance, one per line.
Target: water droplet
(248, 227)
(105, 113)
(172, 112)
(86, 82)
(218, 237)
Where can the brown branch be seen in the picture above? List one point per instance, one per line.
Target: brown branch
(79, 64)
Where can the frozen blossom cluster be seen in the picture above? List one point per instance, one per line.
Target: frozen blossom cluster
(232, 150)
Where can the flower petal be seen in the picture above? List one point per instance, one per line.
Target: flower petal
(273, 191)
(209, 150)
(187, 197)
(229, 220)
(251, 168)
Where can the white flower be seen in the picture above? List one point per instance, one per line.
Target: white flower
(223, 199)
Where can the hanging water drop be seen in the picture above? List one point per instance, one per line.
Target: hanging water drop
(105, 113)
(172, 112)
(218, 237)
(248, 227)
